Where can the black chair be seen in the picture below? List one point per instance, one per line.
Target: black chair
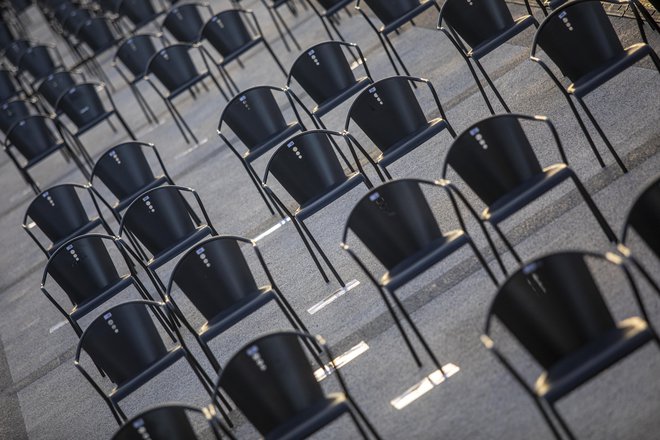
(162, 221)
(396, 224)
(139, 12)
(393, 14)
(170, 422)
(54, 85)
(233, 33)
(273, 7)
(185, 21)
(217, 279)
(176, 71)
(13, 111)
(135, 53)
(324, 73)
(36, 137)
(39, 63)
(329, 15)
(9, 88)
(98, 35)
(496, 160)
(258, 121)
(309, 168)
(7, 34)
(125, 343)
(13, 51)
(478, 28)
(272, 382)
(87, 274)
(588, 51)
(555, 309)
(125, 170)
(391, 116)
(60, 215)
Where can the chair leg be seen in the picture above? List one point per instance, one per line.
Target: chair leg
(112, 126)
(309, 249)
(332, 139)
(217, 84)
(184, 123)
(203, 380)
(483, 262)
(275, 58)
(321, 252)
(114, 411)
(357, 424)
(491, 244)
(609, 233)
(507, 243)
(257, 184)
(364, 419)
(607, 142)
(387, 173)
(287, 30)
(176, 121)
(279, 30)
(147, 108)
(396, 55)
(562, 422)
(492, 86)
(399, 327)
(209, 354)
(125, 125)
(387, 52)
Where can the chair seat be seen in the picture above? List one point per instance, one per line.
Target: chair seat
(85, 307)
(241, 50)
(187, 85)
(486, 47)
(44, 154)
(337, 7)
(595, 357)
(93, 223)
(526, 193)
(94, 122)
(600, 76)
(124, 389)
(183, 244)
(423, 259)
(312, 419)
(329, 196)
(412, 141)
(123, 203)
(396, 24)
(329, 104)
(236, 313)
(272, 142)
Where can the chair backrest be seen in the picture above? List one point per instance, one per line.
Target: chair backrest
(477, 21)
(96, 33)
(644, 217)
(12, 112)
(185, 22)
(271, 381)
(15, 49)
(394, 221)
(8, 87)
(387, 112)
(578, 37)
(124, 341)
(136, 51)
(306, 166)
(74, 19)
(173, 66)
(37, 61)
(493, 157)
(6, 34)
(227, 32)
(81, 103)
(323, 71)
(139, 12)
(33, 135)
(159, 219)
(388, 11)
(54, 85)
(214, 275)
(164, 422)
(552, 306)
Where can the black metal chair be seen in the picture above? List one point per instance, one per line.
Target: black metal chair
(125, 170)
(324, 73)
(273, 7)
(233, 33)
(185, 21)
(309, 168)
(555, 309)
(393, 14)
(13, 51)
(395, 222)
(98, 35)
(54, 85)
(217, 279)
(258, 121)
(329, 15)
(7, 34)
(9, 88)
(272, 382)
(36, 137)
(60, 215)
(125, 343)
(391, 116)
(496, 160)
(580, 40)
(176, 71)
(13, 111)
(39, 63)
(171, 422)
(139, 12)
(478, 28)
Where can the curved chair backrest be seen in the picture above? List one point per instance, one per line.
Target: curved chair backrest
(96, 33)
(124, 341)
(139, 12)
(54, 85)
(644, 217)
(478, 21)
(164, 422)
(578, 37)
(387, 112)
(15, 49)
(62, 10)
(173, 66)
(136, 51)
(76, 18)
(37, 61)
(81, 103)
(306, 166)
(33, 135)
(185, 22)
(271, 381)
(388, 11)
(8, 88)
(552, 306)
(214, 275)
(394, 221)
(323, 71)
(109, 5)
(6, 34)
(493, 157)
(12, 112)
(227, 32)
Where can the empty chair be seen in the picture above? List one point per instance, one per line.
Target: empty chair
(393, 14)
(9, 89)
(258, 121)
(139, 12)
(555, 310)
(125, 343)
(39, 63)
(12, 112)
(580, 40)
(60, 215)
(395, 222)
(6, 34)
(216, 277)
(54, 85)
(125, 170)
(176, 71)
(478, 28)
(496, 160)
(15, 49)
(273, 7)
(185, 21)
(391, 116)
(324, 73)
(35, 138)
(329, 14)
(272, 383)
(98, 36)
